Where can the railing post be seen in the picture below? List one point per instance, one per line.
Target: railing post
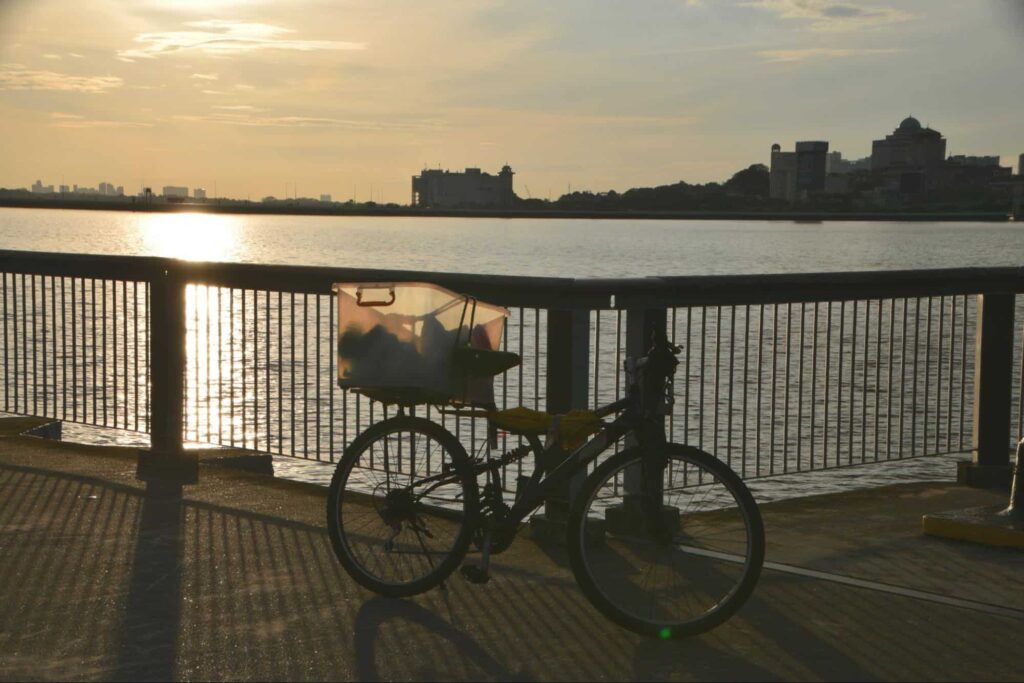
(993, 370)
(641, 325)
(568, 380)
(167, 458)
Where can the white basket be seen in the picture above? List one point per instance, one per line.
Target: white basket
(396, 342)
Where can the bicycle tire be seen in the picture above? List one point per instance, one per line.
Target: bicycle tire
(585, 549)
(342, 538)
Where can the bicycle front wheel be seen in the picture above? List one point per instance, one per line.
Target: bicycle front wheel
(666, 544)
(402, 506)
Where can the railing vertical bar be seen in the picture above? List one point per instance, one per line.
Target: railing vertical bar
(318, 376)
(786, 393)
(686, 386)
(939, 356)
(63, 350)
(305, 374)
(35, 348)
(732, 366)
(536, 366)
(814, 382)
(800, 390)
(280, 373)
(746, 383)
(878, 377)
(7, 372)
(864, 384)
(135, 346)
(95, 363)
(828, 367)
(256, 369)
(703, 350)
(291, 363)
(773, 402)
(888, 398)
(597, 356)
(124, 350)
(927, 372)
(21, 368)
(903, 375)
(266, 372)
(1020, 393)
(963, 371)
(331, 376)
(113, 316)
(242, 363)
(913, 395)
(718, 374)
(208, 349)
(952, 361)
(231, 365)
(46, 375)
(760, 382)
(853, 385)
(618, 364)
(839, 384)
(147, 336)
(218, 313)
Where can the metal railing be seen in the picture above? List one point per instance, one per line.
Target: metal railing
(779, 374)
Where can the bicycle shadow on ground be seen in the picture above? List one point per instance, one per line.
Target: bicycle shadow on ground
(379, 612)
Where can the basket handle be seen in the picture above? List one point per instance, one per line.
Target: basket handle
(372, 302)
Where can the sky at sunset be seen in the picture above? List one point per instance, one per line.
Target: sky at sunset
(335, 96)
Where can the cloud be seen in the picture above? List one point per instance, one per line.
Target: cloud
(829, 15)
(205, 77)
(244, 118)
(807, 54)
(50, 55)
(76, 55)
(18, 77)
(244, 86)
(224, 38)
(60, 119)
(237, 107)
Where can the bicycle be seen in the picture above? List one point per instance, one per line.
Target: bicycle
(664, 539)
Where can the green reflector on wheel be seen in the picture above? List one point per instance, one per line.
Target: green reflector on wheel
(665, 633)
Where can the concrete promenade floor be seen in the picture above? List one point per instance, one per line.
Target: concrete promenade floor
(102, 578)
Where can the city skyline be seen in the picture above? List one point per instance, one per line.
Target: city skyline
(250, 96)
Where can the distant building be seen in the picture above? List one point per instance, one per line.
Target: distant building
(782, 174)
(108, 190)
(175, 191)
(471, 188)
(796, 175)
(963, 160)
(39, 188)
(1020, 165)
(325, 198)
(840, 166)
(912, 157)
(811, 164)
(64, 189)
(199, 193)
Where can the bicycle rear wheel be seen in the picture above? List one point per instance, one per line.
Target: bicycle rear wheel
(666, 544)
(402, 506)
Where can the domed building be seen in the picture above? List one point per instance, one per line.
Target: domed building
(914, 152)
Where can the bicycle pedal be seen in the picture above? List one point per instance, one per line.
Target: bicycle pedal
(475, 574)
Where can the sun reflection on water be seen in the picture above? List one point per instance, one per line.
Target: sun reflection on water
(191, 236)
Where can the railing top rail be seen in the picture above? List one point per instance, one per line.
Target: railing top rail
(541, 292)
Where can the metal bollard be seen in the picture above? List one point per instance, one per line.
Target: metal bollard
(1016, 508)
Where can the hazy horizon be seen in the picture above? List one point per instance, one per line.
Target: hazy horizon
(334, 97)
